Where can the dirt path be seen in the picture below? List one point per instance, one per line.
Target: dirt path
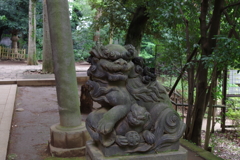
(40, 111)
(36, 110)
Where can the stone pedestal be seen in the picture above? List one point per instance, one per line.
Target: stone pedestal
(93, 153)
(68, 142)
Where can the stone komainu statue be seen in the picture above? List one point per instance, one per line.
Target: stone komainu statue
(136, 113)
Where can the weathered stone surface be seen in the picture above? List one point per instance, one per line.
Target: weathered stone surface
(58, 137)
(115, 150)
(136, 114)
(93, 153)
(68, 142)
(70, 152)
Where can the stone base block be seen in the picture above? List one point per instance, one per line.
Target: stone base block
(69, 152)
(68, 142)
(93, 153)
(114, 150)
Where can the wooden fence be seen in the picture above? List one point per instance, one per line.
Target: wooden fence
(8, 53)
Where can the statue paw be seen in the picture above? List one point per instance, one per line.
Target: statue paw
(149, 137)
(121, 140)
(107, 140)
(105, 127)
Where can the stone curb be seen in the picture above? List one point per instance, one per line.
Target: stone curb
(38, 82)
(201, 152)
(6, 119)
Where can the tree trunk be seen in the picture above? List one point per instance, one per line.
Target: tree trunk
(210, 107)
(1, 32)
(194, 133)
(64, 64)
(32, 60)
(190, 72)
(111, 35)
(96, 37)
(199, 109)
(207, 46)
(232, 23)
(136, 29)
(47, 66)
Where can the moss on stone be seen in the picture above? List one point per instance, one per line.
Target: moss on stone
(201, 152)
(116, 47)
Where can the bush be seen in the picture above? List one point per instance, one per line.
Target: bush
(80, 55)
(233, 111)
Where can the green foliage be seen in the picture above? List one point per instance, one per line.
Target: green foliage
(171, 58)
(3, 18)
(217, 92)
(233, 110)
(82, 32)
(147, 52)
(168, 82)
(111, 13)
(14, 20)
(227, 53)
(11, 156)
(80, 55)
(22, 43)
(14, 13)
(233, 114)
(81, 14)
(83, 42)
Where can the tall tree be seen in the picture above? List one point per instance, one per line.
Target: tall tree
(137, 27)
(70, 125)
(32, 59)
(13, 13)
(134, 19)
(13, 20)
(64, 64)
(47, 66)
(119, 14)
(203, 88)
